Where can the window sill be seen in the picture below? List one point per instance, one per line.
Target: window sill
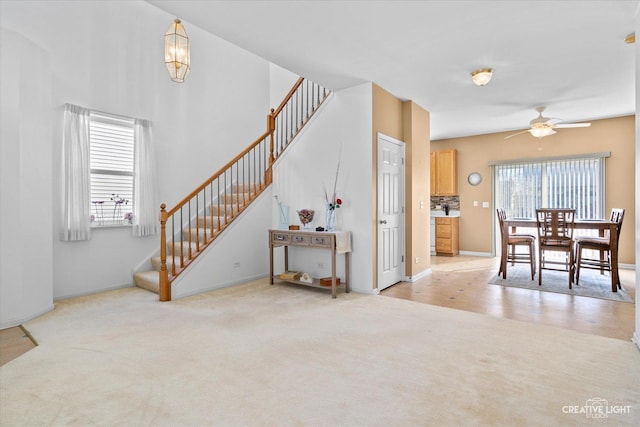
(110, 224)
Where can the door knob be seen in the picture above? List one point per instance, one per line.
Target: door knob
(383, 221)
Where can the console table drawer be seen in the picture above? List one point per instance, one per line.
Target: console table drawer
(300, 239)
(324, 241)
(280, 237)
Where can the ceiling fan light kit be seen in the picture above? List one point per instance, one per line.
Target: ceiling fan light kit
(544, 126)
(482, 76)
(541, 131)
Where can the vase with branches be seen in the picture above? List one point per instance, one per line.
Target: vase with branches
(332, 202)
(283, 213)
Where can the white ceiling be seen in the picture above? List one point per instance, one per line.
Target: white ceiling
(566, 55)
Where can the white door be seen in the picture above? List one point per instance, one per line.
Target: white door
(390, 211)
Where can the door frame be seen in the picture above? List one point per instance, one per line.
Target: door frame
(402, 218)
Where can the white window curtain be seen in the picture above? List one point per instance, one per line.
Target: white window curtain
(76, 211)
(146, 220)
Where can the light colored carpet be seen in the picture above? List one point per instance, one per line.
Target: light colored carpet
(592, 283)
(282, 355)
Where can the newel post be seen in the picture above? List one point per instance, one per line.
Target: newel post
(271, 127)
(165, 286)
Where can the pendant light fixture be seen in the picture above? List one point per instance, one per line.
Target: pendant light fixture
(482, 76)
(177, 52)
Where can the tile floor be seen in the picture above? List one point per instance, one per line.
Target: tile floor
(461, 283)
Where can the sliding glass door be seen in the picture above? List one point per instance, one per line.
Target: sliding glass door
(522, 187)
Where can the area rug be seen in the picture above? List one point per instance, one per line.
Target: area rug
(592, 283)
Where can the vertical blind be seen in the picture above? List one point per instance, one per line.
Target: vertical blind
(576, 183)
(111, 163)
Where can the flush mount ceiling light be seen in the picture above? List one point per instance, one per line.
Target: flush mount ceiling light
(177, 52)
(631, 38)
(482, 76)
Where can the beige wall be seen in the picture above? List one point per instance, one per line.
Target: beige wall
(474, 154)
(417, 188)
(407, 122)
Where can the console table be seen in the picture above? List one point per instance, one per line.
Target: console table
(338, 242)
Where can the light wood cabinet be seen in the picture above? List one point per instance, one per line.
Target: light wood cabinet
(447, 236)
(444, 173)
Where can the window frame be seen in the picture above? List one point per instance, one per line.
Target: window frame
(101, 205)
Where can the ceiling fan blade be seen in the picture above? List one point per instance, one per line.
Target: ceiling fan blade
(572, 125)
(524, 131)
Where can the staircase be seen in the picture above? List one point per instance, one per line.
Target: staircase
(188, 228)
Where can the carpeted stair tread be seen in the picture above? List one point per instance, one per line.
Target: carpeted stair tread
(185, 247)
(155, 262)
(246, 188)
(200, 232)
(231, 209)
(149, 280)
(206, 220)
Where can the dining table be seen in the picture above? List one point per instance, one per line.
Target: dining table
(601, 225)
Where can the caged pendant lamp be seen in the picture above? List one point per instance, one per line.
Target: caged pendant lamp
(177, 52)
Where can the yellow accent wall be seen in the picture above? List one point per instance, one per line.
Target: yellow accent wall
(474, 154)
(407, 122)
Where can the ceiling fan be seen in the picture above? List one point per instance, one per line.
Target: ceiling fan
(544, 126)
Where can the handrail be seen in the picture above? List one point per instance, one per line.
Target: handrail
(288, 96)
(197, 220)
(217, 174)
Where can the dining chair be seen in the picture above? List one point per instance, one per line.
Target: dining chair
(555, 234)
(513, 241)
(601, 244)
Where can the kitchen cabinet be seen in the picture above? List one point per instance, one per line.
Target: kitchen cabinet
(447, 236)
(444, 173)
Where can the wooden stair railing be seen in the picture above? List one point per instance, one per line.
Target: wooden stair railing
(198, 219)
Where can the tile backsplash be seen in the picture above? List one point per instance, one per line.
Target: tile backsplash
(452, 201)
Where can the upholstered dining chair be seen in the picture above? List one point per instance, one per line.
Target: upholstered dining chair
(513, 241)
(601, 244)
(555, 234)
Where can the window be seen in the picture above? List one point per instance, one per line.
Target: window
(111, 162)
(521, 187)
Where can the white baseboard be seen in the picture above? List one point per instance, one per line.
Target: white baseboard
(95, 291)
(176, 295)
(418, 276)
(470, 253)
(16, 322)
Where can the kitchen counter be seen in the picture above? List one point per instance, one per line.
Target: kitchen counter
(440, 213)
